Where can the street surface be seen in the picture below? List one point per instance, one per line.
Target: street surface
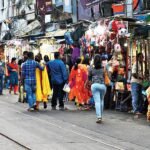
(68, 130)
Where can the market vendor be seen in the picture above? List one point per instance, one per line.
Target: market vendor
(136, 85)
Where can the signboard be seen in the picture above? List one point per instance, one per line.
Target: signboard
(89, 3)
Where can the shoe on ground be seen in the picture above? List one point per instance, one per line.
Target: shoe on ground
(45, 105)
(99, 120)
(35, 107)
(131, 112)
(136, 116)
(61, 108)
(31, 109)
(138, 113)
(53, 108)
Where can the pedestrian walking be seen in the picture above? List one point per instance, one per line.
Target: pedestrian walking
(2, 66)
(75, 53)
(43, 89)
(22, 94)
(46, 60)
(13, 70)
(96, 76)
(28, 74)
(136, 85)
(59, 77)
(77, 79)
(7, 75)
(22, 60)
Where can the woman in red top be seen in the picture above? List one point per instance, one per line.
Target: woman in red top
(13, 70)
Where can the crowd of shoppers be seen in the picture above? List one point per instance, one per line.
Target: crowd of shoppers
(86, 78)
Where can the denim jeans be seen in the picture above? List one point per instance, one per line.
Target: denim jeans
(7, 85)
(98, 91)
(137, 100)
(1, 84)
(31, 98)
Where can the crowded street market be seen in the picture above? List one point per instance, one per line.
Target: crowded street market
(93, 56)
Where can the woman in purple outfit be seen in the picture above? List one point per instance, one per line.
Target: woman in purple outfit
(75, 53)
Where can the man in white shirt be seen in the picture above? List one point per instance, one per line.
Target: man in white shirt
(136, 84)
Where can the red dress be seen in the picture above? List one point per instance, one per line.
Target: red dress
(77, 80)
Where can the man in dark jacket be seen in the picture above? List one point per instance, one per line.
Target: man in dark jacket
(59, 76)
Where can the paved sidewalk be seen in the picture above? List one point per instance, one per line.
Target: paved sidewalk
(6, 144)
(71, 129)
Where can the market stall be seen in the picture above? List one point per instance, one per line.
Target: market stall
(115, 41)
(15, 48)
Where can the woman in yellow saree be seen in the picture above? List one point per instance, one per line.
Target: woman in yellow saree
(43, 89)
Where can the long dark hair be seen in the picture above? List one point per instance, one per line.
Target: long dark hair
(78, 61)
(46, 58)
(97, 62)
(13, 59)
(37, 58)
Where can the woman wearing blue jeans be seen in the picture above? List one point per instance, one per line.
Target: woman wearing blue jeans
(96, 75)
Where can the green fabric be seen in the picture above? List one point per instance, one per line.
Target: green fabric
(146, 84)
(148, 19)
